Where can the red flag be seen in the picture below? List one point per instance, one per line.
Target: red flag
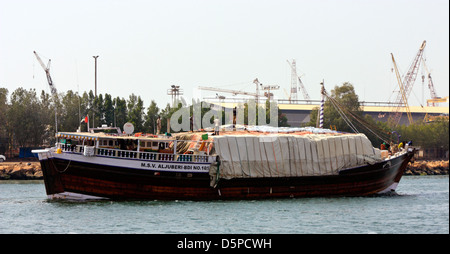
(85, 120)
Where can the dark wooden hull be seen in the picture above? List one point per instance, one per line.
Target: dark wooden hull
(120, 183)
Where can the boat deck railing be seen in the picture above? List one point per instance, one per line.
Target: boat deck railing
(128, 154)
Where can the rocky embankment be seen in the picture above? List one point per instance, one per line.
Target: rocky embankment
(31, 170)
(427, 168)
(20, 170)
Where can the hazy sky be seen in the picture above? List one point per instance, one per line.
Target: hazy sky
(144, 47)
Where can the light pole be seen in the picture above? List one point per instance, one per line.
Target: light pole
(95, 57)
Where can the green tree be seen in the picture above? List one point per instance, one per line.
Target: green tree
(3, 110)
(346, 100)
(108, 110)
(84, 109)
(70, 118)
(91, 108)
(166, 113)
(4, 140)
(135, 107)
(24, 118)
(99, 111)
(120, 110)
(150, 118)
(426, 135)
(345, 95)
(47, 116)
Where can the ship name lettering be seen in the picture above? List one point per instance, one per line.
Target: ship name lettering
(147, 165)
(169, 166)
(173, 166)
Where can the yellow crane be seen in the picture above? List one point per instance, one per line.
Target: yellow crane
(433, 102)
(407, 84)
(402, 91)
(437, 100)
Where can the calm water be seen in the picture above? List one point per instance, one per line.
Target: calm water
(420, 206)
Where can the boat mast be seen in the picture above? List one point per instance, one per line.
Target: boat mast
(322, 92)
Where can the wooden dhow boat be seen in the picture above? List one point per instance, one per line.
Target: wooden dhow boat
(248, 163)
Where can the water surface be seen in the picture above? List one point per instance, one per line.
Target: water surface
(421, 206)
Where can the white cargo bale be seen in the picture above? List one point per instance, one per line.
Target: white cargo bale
(292, 155)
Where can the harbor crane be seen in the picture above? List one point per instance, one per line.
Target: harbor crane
(236, 92)
(406, 85)
(294, 78)
(267, 94)
(402, 91)
(50, 83)
(47, 72)
(435, 100)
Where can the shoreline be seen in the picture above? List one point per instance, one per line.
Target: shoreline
(427, 167)
(31, 170)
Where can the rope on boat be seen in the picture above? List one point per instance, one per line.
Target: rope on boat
(218, 173)
(344, 112)
(61, 171)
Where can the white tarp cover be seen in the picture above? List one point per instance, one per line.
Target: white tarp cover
(291, 155)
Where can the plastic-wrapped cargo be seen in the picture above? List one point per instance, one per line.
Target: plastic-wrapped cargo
(290, 155)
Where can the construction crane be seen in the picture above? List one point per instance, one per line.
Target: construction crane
(433, 102)
(236, 92)
(294, 78)
(402, 91)
(268, 94)
(256, 82)
(437, 100)
(47, 72)
(50, 83)
(287, 95)
(407, 84)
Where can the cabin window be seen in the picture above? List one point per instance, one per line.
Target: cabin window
(155, 144)
(111, 143)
